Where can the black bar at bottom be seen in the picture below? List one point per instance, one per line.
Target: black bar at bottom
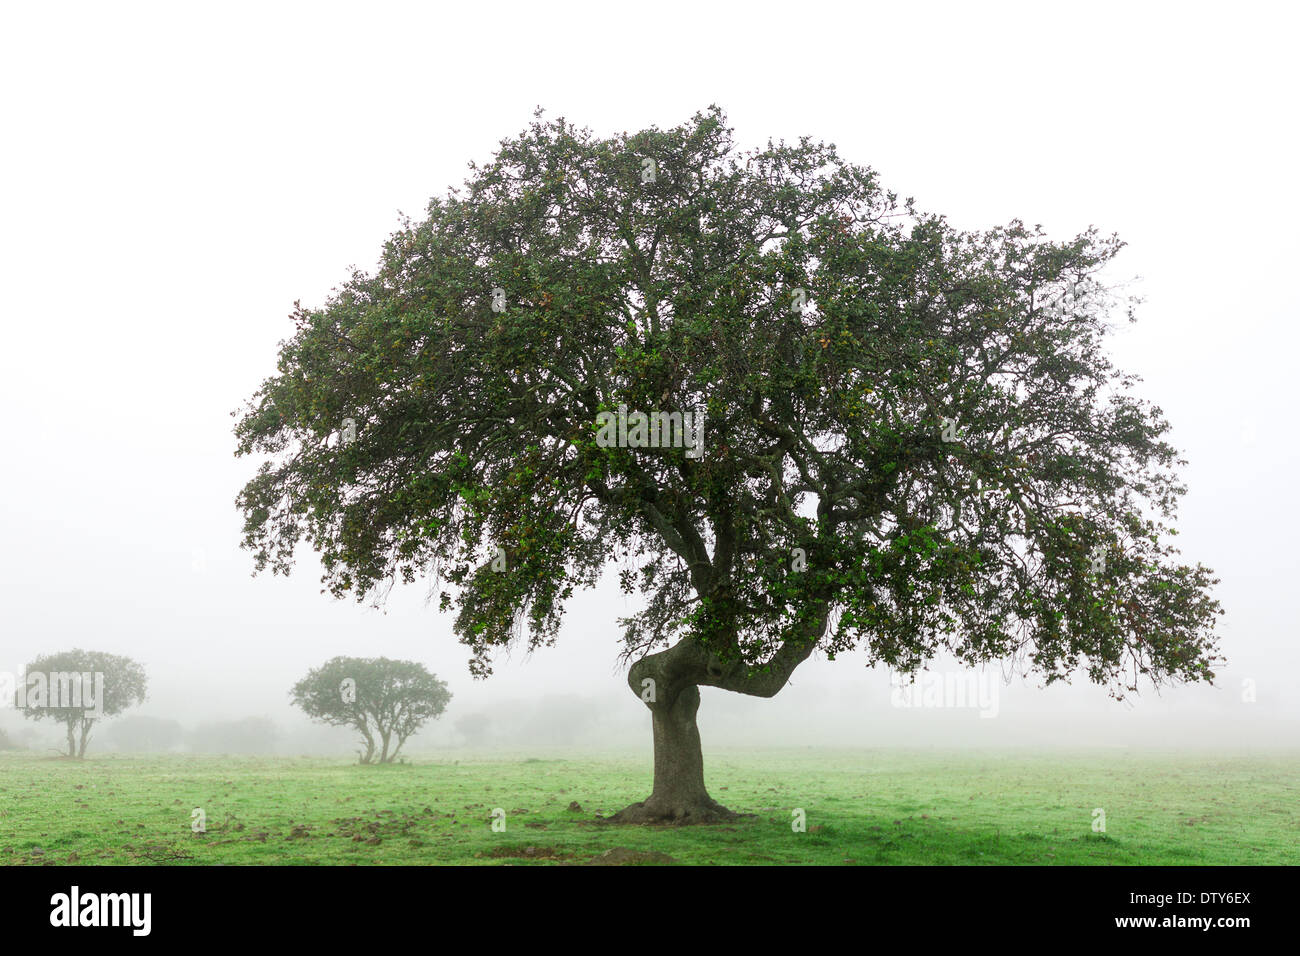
(247, 904)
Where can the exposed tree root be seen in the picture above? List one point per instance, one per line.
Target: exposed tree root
(676, 813)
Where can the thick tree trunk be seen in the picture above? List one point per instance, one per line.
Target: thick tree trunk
(679, 795)
(668, 682)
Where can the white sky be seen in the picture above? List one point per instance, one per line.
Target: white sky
(172, 179)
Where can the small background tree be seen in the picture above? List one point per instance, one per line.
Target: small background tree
(124, 687)
(385, 700)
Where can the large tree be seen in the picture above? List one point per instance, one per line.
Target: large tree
(913, 439)
(77, 688)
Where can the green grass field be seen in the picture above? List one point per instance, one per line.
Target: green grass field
(866, 807)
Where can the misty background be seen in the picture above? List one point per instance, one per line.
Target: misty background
(172, 180)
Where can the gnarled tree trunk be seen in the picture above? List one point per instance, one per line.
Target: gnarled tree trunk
(679, 795)
(669, 682)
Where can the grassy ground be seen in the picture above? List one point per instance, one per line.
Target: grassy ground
(865, 807)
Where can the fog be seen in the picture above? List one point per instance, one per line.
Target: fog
(165, 201)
